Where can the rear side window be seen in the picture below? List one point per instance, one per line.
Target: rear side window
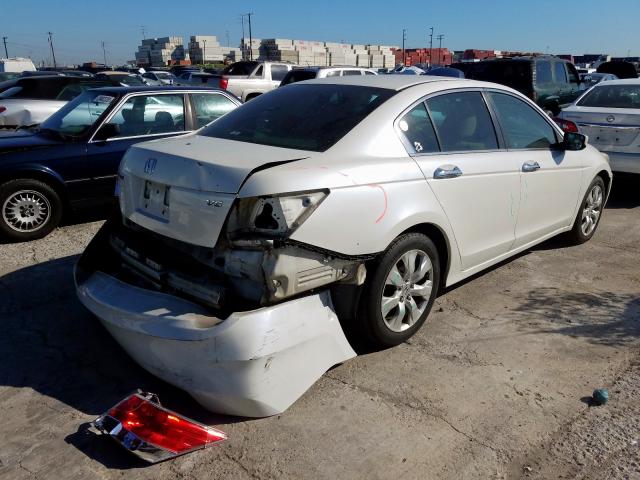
(462, 122)
(298, 76)
(560, 73)
(612, 96)
(334, 73)
(522, 126)
(278, 72)
(351, 72)
(323, 114)
(543, 72)
(259, 71)
(367, 72)
(210, 106)
(573, 74)
(418, 130)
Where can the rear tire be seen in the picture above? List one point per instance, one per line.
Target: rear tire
(30, 209)
(589, 214)
(400, 290)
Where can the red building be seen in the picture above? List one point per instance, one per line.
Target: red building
(412, 56)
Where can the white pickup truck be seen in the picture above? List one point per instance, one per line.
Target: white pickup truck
(248, 79)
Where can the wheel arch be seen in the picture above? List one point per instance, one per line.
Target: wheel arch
(606, 178)
(43, 175)
(439, 238)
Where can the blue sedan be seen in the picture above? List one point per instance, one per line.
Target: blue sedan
(71, 160)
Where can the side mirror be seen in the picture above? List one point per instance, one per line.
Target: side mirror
(108, 130)
(573, 142)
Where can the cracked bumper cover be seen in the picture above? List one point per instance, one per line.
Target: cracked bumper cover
(253, 364)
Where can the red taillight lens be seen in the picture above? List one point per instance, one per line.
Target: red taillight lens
(566, 125)
(162, 428)
(2, 109)
(224, 83)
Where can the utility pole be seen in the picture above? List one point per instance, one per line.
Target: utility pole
(104, 54)
(440, 37)
(4, 39)
(404, 56)
(431, 47)
(250, 37)
(243, 44)
(53, 55)
(143, 29)
(204, 50)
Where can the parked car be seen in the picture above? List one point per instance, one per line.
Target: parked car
(196, 77)
(31, 100)
(71, 160)
(4, 76)
(609, 113)
(163, 78)
(124, 79)
(357, 197)
(590, 79)
(445, 72)
(619, 68)
(262, 77)
(307, 73)
(551, 82)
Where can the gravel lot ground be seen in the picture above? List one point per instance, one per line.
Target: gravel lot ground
(494, 386)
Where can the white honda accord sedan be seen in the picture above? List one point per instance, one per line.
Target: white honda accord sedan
(239, 247)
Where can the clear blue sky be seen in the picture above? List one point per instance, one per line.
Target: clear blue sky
(78, 26)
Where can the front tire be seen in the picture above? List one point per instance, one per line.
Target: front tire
(30, 209)
(590, 213)
(400, 291)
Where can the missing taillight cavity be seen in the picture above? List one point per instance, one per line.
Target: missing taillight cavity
(152, 432)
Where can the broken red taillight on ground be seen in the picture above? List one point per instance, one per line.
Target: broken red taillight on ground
(141, 425)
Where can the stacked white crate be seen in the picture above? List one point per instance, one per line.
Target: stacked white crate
(206, 49)
(376, 56)
(158, 51)
(251, 49)
(278, 49)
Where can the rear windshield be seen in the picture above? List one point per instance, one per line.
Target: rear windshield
(240, 68)
(612, 96)
(57, 88)
(305, 117)
(298, 76)
(514, 74)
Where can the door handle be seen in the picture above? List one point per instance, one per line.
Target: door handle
(530, 166)
(447, 171)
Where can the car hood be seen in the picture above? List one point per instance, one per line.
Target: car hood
(203, 163)
(21, 140)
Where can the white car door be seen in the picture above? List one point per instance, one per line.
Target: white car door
(456, 146)
(550, 177)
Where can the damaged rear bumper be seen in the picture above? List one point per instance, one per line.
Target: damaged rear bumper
(254, 363)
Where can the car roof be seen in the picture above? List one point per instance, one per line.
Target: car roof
(391, 82)
(624, 81)
(156, 88)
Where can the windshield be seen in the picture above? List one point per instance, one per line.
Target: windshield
(307, 117)
(77, 116)
(130, 80)
(612, 96)
(164, 76)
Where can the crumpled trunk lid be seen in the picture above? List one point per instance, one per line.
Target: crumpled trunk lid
(183, 188)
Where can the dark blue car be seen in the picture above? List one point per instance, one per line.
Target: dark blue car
(71, 160)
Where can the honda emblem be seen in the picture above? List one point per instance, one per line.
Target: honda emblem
(150, 165)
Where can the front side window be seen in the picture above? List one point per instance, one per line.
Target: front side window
(77, 116)
(323, 114)
(334, 73)
(417, 129)
(522, 126)
(150, 114)
(560, 72)
(278, 72)
(612, 96)
(543, 72)
(259, 71)
(210, 106)
(462, 122)
(573, 74)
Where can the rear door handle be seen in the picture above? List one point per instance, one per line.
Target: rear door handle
(447, 171)
(530, 166)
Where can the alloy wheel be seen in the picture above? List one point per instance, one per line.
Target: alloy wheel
(407, 290)
(26, 211)
(591, 210)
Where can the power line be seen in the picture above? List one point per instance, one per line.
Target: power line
(440, 37)
(248, 15)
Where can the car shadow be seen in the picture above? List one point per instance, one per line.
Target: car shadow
(625, 192)
(56, 347)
